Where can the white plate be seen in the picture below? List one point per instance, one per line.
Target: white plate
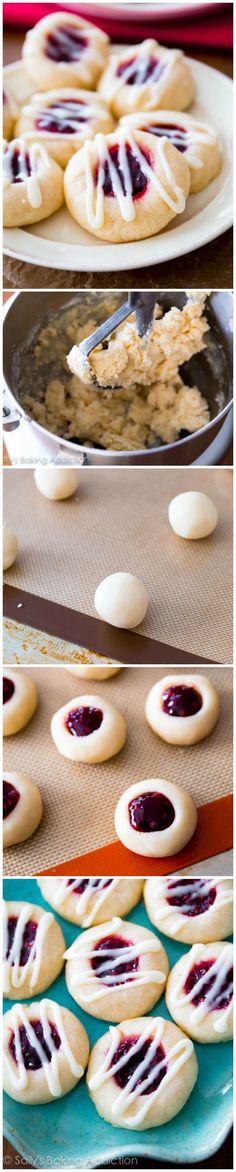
(59, 242)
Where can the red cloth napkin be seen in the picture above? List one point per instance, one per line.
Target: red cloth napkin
(210, 26)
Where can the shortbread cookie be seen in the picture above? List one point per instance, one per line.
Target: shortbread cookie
(121, 600)
(88, 729)
(155, 818)
(147, 77)
(115, 968)
(57, 484)
(196, 140)
(10, 547)
(32, 184)
(65, 50)
(199, 992)
(22, 808)
(192, 515)
(9, 111)
(141, 1073)
(33, 949)
(91, 901)
(182, 708)
(45, 1052)
(190, 909)
(62, 120)
(126, 186)
(19, 700)
(92, 672)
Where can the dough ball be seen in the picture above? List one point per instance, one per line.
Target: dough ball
(92, 672)
(10, 547)
(56, 483)
(192, 515)
(121, 600)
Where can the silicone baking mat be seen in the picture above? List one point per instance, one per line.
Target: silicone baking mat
(79, 800)
(119, 520)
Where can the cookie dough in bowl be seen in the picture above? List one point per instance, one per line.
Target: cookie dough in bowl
(124, 187)
(33, 949)
(196, 140)
(147, 77)
(88, 729)
(32, 184)
(62, 120)
(22, 808)
(116, 968)
(190, 909)
(155, 818)
(182, 709)
(91, 901)
(45, 1052)
(141, 1073)
(19, 700)
(199, 993)
(64, 50)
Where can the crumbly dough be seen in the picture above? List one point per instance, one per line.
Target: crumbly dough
(151, 403)
(92, 672)
(190, 909)
(45, 957)
(177, 729)
(206, 1020)
(140, 1110)
(10, 547)
(114, 988)
(85, 901)
(20, 700)
(192, 515)
(103, 741)
(22, 808)
(56, 483)
(56, 1076)
(121, 600)
(141, 810)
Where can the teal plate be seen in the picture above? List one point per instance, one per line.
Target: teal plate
(69, 1133)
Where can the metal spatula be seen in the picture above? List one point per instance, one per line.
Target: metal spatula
(140, 303)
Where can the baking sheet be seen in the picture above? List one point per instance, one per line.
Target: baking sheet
(79, 800)
(118, 520)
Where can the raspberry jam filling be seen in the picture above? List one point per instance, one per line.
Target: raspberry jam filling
(104, 966)
(30, 1057)
(62, 117)
(176, 134)
(141, 73)
(10, 798)
(181, 700)
(8, 689)
(28, 938)
(150, 812)
(84, 883)
(224, 994)
(123, 1076)
(19, 175)
(138, 179)
(65, 44)
(194, 898)
(81, 722)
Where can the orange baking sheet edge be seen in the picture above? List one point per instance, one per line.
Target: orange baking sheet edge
(214, 834)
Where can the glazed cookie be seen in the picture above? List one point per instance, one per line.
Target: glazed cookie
(88, 729)
(196, 140)
(199, 992)
(22, 808)
(141, 1073)
(19, 701)
(182, 709)
(9, 112)
(126, 186)
(115, 968)
(190, 909)
(155, 818)
(45, 1052)
(33, 949)
(92, 672)
(147, 77)
(62, 120)
(91, 901)
(32, 184)
(65, 50)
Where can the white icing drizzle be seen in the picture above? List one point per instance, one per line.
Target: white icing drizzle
(15, 975)
(219, 971)
(95, 891)
(47, 1011)
(140, 61)
(74, 111)
(111, 957)
(199, 134)
(170, 192)
(39, 161)
(195, 889)
(174, 1059)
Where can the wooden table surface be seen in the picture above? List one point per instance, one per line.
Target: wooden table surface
(208, 267)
